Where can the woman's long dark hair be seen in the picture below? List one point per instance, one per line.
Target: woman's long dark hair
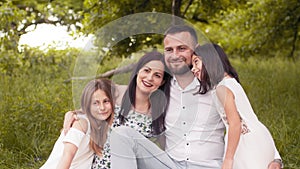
(159, 99)
(99, 128)
(214, 64)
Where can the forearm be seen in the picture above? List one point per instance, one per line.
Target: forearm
(234, 132)
(67, 157)
(65, 162)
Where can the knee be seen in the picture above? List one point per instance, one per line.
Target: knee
(121, 138)
(121, 133)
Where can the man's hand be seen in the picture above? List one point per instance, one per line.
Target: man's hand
(69, 119)
(275, 165)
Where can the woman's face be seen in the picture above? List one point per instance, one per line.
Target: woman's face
(101, 105)
(150, 77)
(197, 66)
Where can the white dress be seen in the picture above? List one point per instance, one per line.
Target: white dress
(84, 155)
(256, 148)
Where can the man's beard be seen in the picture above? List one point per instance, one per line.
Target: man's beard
(180, 70)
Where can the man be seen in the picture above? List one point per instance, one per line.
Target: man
(194, 135)
(194, 131)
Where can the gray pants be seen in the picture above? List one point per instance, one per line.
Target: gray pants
(131, 150)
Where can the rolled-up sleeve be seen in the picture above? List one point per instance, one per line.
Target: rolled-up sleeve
(74, 136)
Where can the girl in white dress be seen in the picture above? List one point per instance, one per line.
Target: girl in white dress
(248, 143)
(89, 132)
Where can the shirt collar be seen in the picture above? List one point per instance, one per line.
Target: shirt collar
(195, 84)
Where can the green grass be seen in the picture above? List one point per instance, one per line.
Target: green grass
(33, 103)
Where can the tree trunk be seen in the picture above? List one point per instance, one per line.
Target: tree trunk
(296, 28)
(176, 4)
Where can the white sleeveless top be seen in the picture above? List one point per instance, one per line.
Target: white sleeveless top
(84, 155)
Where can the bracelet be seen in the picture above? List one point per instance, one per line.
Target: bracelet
(279, 161)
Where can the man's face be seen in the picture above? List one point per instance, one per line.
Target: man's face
(178, 51)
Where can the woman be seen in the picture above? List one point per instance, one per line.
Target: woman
(87, 134)
(248, 143)
(149, 75)
(144, 102)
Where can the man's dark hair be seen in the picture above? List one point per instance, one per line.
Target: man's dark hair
(182, 28)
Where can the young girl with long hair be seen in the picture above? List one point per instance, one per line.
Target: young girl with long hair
(88, 133)
(248, 143)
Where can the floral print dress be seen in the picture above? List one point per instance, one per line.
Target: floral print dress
(140, 122)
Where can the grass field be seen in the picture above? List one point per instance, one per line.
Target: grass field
(34, 101)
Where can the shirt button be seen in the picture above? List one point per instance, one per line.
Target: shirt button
(187, 144)
(183, 107)
(187, 159)
(183, 123)
(184, 134)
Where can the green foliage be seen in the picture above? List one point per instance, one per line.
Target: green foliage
(34, 99)
(244, 28)
(269, 27)
(18, 15)
(10, 16)
(101, 13)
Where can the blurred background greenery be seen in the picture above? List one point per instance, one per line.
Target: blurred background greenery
(260, 36)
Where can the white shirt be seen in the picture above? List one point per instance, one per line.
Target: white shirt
(194, 129)
(84, 155)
